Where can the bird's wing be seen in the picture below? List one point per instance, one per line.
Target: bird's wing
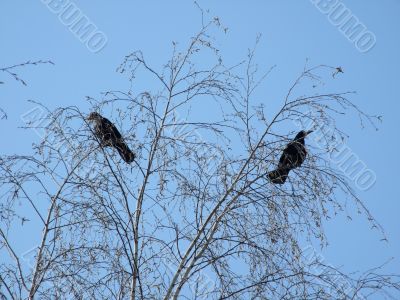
(109, 128)
(286, 156)
(282, 160)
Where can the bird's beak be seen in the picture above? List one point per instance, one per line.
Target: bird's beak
(308, 132)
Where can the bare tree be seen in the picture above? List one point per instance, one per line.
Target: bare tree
(193, 217)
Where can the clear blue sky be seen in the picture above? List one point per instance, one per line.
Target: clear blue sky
(292, 31)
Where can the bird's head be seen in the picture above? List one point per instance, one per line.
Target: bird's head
(93, 116)
(302, 134)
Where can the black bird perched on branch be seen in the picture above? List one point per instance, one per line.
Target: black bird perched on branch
(109, 135)
(292, 157)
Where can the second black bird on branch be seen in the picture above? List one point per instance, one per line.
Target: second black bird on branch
(292, 157)
(109, 136)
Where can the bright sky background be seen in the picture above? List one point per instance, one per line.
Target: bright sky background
(292, 32)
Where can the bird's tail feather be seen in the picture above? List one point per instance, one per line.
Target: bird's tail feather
(279, 176)
(127, 155)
